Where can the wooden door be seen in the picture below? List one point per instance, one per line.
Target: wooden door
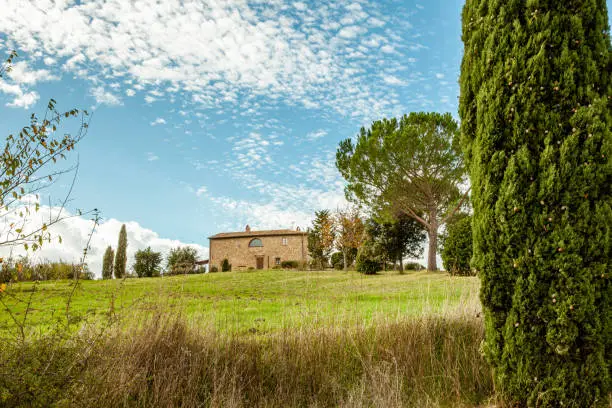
(260, 262)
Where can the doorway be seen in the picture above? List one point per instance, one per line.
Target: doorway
(260, 262)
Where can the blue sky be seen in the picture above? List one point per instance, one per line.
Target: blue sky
(211, 115)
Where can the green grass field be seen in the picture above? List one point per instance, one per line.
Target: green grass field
(244, 302)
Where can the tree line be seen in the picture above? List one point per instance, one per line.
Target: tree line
(147, 263)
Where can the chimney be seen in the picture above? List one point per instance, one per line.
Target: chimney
(248, 228)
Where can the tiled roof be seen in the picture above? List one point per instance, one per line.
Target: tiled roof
(265, 233)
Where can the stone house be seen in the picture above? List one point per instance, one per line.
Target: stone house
(258, 249)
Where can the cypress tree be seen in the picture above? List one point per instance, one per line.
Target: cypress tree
(121, 255)
(107, 263)
(536, 118)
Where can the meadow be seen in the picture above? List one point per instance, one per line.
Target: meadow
(245, 302)
(246, 339)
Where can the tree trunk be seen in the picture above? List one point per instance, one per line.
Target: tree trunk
(344, 259)
(401, 264)
(432, 263)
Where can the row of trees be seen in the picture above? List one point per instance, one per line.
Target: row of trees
(147, 263)
(345, 237)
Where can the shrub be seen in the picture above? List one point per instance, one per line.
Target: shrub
(413, 266)
(277, 267)
(368, 262)
(214, 268)
(290, 264)
(226, 266)
(337, 260)
(457, 251)
(251, 268)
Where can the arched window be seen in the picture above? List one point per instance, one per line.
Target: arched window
(256, 242)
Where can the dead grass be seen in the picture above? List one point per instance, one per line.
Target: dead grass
(425, 362)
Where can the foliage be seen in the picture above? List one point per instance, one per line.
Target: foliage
(147, 263)
(369, 260)
(337, 261)
(181, 260)
(321, 238)
(413, 266)
(28, 165)
(23, 269)
(457, 250)
(350, 236)
(413, 165)
(214, 268)
(226, 266)
(121, 255)
(290, 264)
(536, 122)
(397, 238)
(107, 263)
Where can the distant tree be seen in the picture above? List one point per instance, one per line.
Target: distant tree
(369, 258)
(413, 165)
(226, 266)
(350, 234)
(107, 263)
(147, 263)
(181, 260)
(536, 125)
(121, 255)
(321, 238)
(397, 238)
(457, 248)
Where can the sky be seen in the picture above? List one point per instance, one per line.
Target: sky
(210, 115)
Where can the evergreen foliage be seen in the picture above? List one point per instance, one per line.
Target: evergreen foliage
(368, 259)
(536, 118)
(457, 250)
(147, 263)
(397, 238)
(121, 254)
(226, 266)
(107, 263)
(411, 165)
(181, 260)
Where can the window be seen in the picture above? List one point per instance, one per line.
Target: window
(255, 243)
(277, 261)
(284, 241)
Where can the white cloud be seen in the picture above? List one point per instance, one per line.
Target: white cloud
(152, 156)
(393, 80)
(130, 92)
(20, 73)
(241, 48)
(75, 233)
(103, 97)
(25, 100)
(440, 76)
(387, 49)
(316, 134)
(158, 121)
(200, 191)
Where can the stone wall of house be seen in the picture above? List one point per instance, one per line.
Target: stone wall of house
(241, 256)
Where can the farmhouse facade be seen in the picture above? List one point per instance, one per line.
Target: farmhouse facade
(258, 249)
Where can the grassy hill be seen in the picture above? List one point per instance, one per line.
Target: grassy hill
(245, 302)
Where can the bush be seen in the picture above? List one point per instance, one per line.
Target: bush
(214, 269)
(457, 251)
(368, 262)
(226, 266)
(337, 261)
(251, 268)
(277, 267)
(413, 266)
(290, 264)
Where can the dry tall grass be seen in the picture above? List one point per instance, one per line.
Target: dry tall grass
(427, 362)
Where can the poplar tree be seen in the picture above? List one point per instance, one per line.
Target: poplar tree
(121, 255)
(107, 263)
(536, 122)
